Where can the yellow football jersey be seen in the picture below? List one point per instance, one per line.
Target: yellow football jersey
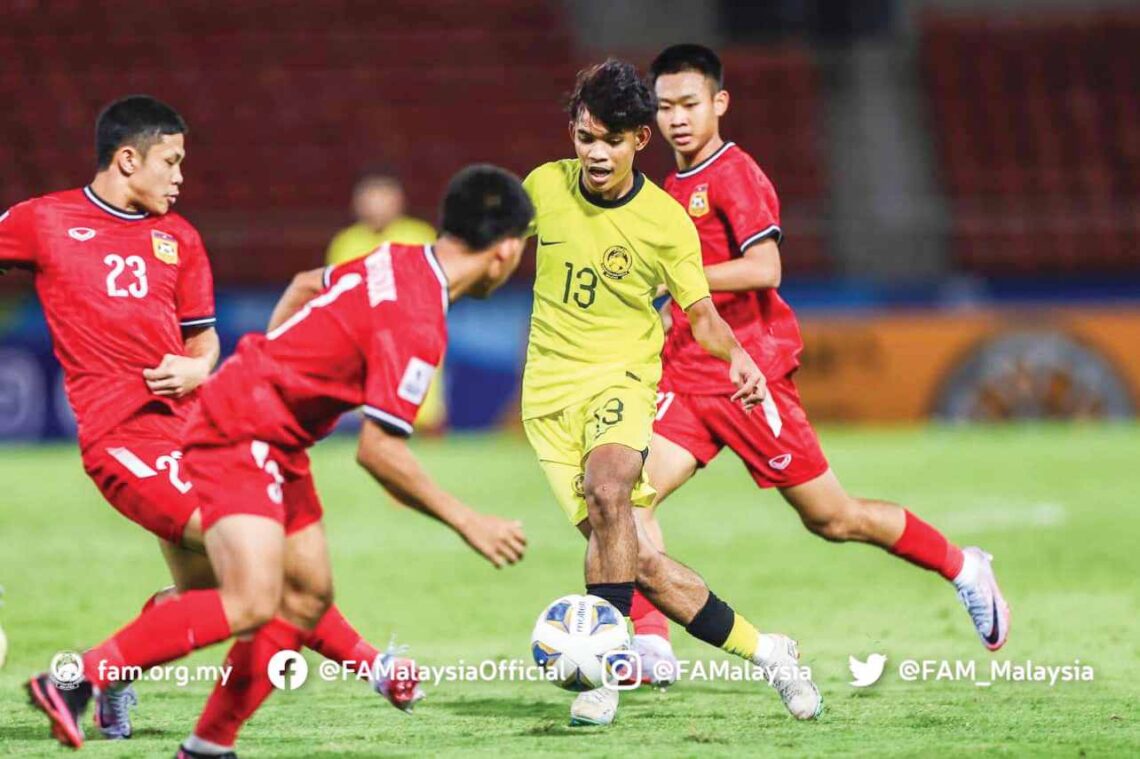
(593, 324)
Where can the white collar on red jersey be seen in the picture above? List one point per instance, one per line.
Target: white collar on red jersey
(705, 163)
(433, 262)
(118, 213)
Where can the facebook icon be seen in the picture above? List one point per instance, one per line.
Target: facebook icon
(287, 670)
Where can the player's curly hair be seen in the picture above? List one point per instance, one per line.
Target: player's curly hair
(615, 95)
(485, 204)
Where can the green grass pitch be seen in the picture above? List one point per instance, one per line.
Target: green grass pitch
(1057, 506)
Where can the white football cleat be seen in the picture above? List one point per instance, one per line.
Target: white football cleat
(659, 666)
(780, 661)
(396, 678)
(594, 707)
(978, 590)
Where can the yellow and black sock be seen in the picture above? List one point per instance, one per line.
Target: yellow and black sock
(718, 625)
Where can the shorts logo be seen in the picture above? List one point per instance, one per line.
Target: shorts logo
(616, 262)
(780, 463)
(83, 234)
(578, 484)
(165, 247)
(699, 201)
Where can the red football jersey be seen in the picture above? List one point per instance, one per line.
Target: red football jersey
(733, 205)
(117, 289)
(373, 338)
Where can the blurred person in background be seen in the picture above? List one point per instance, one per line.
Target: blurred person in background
(378, 204)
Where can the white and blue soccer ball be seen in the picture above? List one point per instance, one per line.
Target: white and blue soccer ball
(578, 640)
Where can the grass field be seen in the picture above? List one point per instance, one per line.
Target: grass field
(1057, 506)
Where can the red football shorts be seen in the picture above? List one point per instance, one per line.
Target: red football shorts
(255, 478)
(775, 440)
(138, 468)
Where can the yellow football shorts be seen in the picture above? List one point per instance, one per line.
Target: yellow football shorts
(622, 414)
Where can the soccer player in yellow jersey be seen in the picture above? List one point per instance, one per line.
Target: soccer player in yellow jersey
(608, 238)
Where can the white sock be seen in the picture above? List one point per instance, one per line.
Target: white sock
(968, 574)
(200, 746)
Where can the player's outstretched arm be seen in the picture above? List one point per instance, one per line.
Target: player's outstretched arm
(304, 287)
(388, 459)
(759, 268)
(717, 338)
(175, 375)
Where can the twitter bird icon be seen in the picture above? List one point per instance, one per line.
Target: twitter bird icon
(866, 672)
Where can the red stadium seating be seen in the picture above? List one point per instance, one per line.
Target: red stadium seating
(1036, 122)
(287, 102)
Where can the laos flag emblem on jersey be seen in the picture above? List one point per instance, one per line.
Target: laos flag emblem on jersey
(165, 247)
(699, 201)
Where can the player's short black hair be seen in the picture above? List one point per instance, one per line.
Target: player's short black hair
(483, 205)
(136, 120)
(615, 95)
(688, 57)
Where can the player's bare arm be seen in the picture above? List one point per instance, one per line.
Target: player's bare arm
(304, 287)
(716, 337)
(175, 375)
(757, 269)
(389, 460)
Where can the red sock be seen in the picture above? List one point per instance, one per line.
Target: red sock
(336, 639)
(160, 634)
(232, 704)
(926, 547)
(647, 619)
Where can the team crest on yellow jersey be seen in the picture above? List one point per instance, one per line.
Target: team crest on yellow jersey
(165, 246)
(578, 484)
(616, 262)
(699, 201)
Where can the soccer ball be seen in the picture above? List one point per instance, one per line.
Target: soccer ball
(577, 640)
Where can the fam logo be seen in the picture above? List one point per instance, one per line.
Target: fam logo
(616, 262)
(66, 670)
(578, 484)
(699, 201)
(165, 247)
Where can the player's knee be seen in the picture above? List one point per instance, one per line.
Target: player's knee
(250, 613)
(307, 605)
(838, 524)
(251, 604)
(608, 503)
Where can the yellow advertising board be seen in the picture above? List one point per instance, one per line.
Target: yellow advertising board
(989, 365)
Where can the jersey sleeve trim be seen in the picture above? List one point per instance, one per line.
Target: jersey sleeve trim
(693, 302)
(199, 321)
(771, 231)
(433, 262)
(326, 276)
(389, 422)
